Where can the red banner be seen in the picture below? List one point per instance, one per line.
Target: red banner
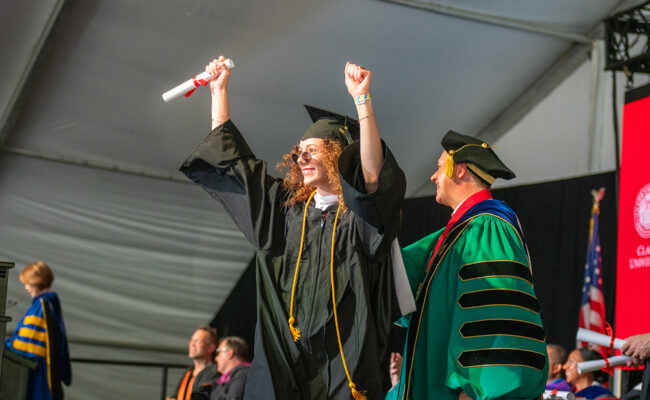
(633, 256)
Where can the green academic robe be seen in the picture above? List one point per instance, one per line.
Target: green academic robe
(477, 327)
(311, 368)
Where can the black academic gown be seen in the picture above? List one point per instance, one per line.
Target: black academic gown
(311, 368)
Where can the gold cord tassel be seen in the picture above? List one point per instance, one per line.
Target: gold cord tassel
(295, 332)
(357, 395)
(449, 164)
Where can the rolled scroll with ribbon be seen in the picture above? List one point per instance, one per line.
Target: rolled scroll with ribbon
(595, 365)
(585, 335)
(187, 88)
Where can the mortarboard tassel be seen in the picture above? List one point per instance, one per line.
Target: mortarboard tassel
(449, 164)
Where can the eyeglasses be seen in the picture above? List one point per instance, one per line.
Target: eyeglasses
(221, 350)
(305, 155)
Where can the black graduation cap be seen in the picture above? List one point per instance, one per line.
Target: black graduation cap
(478, 155)
(330, 125)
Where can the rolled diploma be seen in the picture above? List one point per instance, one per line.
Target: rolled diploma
(585, 335)
(595, 365)
(189, 84)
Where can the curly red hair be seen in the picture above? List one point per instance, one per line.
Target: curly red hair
(294, 181)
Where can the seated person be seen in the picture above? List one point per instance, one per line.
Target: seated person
(203, 371)
(556, 360)
(232, 364)
(587, 384)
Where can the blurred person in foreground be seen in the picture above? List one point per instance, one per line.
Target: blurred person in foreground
(638, 347)
(556, 359)
(40, 336)
(203, 371)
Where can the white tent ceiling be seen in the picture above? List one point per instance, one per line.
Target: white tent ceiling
(140, 261)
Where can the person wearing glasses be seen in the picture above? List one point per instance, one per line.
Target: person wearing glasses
(586, 385)
(232, 363)
(325, 295)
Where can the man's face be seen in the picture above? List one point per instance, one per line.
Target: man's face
(442, 181)
(200, 346)
(223, 355)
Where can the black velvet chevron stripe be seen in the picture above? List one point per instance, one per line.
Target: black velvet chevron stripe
(498, 297)
(485, 357)
(495, 268)
(493, 327)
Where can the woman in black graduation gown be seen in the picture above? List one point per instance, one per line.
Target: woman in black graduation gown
(322, 237)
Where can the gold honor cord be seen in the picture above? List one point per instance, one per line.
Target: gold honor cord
(356, 394)
(449, 161)
(295, 332)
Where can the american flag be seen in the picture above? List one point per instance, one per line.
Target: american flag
(592, 312)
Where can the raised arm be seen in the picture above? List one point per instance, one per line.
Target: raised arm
(219, 90)
(357, 80)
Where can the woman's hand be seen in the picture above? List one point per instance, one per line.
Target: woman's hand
(357, 79)
(220, 111)
(217, 68)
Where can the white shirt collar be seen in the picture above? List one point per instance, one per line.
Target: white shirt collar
(322, 202)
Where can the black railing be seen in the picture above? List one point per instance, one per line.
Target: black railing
(165, 368)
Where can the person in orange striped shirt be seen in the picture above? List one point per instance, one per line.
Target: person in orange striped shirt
(40, 336)
(203, 371)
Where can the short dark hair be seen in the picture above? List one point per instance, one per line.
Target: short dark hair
(237, 345)
(212, 331)
(559, 354)
(589, 354)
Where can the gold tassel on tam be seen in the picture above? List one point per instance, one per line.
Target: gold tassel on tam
(449, 164)
(449, 161)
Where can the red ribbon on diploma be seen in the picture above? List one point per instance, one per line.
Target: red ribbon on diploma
(197, 83)
(610, 352)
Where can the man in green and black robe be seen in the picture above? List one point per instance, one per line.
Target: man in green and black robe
(477, 331)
